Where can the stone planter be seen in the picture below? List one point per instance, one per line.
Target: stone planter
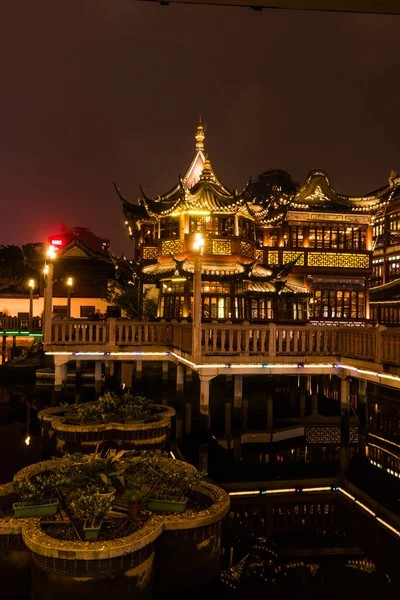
(27, 509)
(163, 505)
(63, 436)
(170, 551)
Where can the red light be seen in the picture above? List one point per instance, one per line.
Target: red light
(56, 242)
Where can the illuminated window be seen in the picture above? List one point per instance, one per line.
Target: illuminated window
(246, 229)
(173, 287)
(216, 287)
(296, 236)
(169, 228)
(340, 304)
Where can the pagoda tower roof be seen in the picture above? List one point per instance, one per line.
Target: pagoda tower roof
(199, 190)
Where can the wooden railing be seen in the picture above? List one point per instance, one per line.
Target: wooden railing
(15, 324)
(373, 344)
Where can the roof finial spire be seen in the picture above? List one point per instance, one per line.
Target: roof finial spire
(199, 137)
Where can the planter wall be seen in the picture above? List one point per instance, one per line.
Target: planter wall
(68, 437)
(15, 558)
(128, 566)
(130, 576)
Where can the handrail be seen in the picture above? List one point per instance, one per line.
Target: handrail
(373, 344)
(16, 324)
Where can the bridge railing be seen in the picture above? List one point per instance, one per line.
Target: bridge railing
(65, 332)
(375, 344)
(269, 340)
(362, 343)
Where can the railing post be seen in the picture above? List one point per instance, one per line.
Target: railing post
(378, 343)
(111, 332)
(272, 340)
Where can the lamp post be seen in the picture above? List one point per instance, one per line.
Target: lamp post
(31, 284)
(48, 295)
(70, 282)
(198, 245)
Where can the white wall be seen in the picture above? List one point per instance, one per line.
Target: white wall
(13, 306)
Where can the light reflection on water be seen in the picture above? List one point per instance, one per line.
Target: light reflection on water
(19, 405)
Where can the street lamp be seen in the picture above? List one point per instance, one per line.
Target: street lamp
(31, 284)
(48, 295)
(70, 282)
(198, 245)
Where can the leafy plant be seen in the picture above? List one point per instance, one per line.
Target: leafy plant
(90, 503)
(37, 488)
(113, 406)
(136, 491)
(165, 478)
(104, 471)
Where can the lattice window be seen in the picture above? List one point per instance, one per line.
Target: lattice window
(323, 435)
(273, 258)
(150, 252)
(289, 256)
(246, 250)
(260, 254)
(354, 434)
(221, 247)
(171, 247)
(207, 248)
(328, 259)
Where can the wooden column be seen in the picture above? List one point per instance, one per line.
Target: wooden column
(270, 412)
(302, 404)
(205, 399)
(362, 410)
(188, 417)
(139, 367)
(344, 423)
(228, 419)
(127, 374)
(4, 350)
(165, 370)
(180, 378)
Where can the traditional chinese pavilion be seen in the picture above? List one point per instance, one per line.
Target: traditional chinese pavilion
(277, 251)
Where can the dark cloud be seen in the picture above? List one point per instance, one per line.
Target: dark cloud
(95, 91)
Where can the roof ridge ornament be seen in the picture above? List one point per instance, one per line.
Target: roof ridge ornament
(207, 172)
(199, 137)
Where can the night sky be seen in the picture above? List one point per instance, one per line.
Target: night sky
(104, 90)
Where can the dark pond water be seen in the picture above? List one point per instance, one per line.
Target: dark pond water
(20, 445)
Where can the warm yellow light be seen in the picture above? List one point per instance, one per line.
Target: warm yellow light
(31, 283)
(46, 269)
(51, 253)
(27, 440)
(198, 241)
(70, 281)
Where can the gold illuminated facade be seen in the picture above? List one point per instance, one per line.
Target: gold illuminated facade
(277, 251)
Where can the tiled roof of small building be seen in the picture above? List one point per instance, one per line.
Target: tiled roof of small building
(390, 292)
